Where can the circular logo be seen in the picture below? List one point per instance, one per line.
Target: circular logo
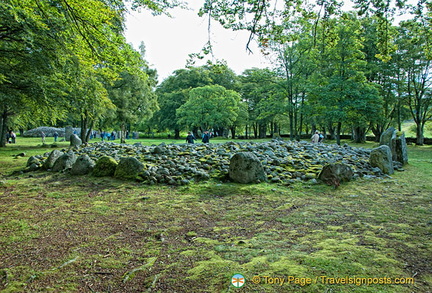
(238, 280)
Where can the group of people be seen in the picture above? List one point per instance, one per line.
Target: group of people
(10, 137)
(317, 137)
(108, 136)
(190, 138)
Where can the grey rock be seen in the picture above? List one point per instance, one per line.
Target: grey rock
(33, 160)
(160, 149)
(52, 158)
(83, 165)
(381, 157)
(68, 132)
(396, 143)
(64, 162)
(105, 166)
(245, 167)
(33, 167)
(401, 150)
(334, 174)
(387, 137)
(128, 168)
(75, 141)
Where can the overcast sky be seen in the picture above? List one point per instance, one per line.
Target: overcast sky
(169, 41)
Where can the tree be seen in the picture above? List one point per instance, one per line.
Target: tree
(40, 39)
(267, 19)
(416, 67)
(132, 93)
(209, 107)
(339, 92)
(257, 87)
(173, 92)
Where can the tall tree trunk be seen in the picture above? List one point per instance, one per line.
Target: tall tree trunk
(89, 131)
(262, 130)
(233, 132)
(338, 132)
(176, 133)
(123, 132)
(255, 129)
(399, 115)
(332, 131)
(377, 131)
(3, 128)
(359, 134)
(275, 130)
(295, 123)
(300, 128)
(419, 133)
(291, 127)
(84, 122)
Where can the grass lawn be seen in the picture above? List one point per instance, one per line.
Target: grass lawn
(60, 233)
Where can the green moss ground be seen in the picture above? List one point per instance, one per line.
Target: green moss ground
(85, 234)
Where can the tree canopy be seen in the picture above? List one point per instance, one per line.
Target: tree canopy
(337, 70)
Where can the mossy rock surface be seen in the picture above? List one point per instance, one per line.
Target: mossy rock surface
(128, 168)
(105, 166)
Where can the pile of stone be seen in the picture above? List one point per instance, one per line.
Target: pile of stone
(179, 164)
(49, 131)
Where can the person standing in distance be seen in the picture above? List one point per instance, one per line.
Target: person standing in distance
(190, 138)
(206, 137)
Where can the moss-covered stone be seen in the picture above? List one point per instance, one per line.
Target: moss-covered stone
(128, 168)
(105, 166)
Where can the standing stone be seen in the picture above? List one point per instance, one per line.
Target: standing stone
(68, 132)
(401, 150)
(387, 137)
(83, 165)
(245, 167)
(75, 142)
(105, 166)
(64, 162)
(381, 157)
(52, 158)
(334, 174)
(128, 168)
(397, 144)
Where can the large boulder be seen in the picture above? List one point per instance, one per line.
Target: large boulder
(105, 166)
(128, 168)
(334, 174)
(75, 141)
(245, 167)
(397, 143)
(83, 165)
(52, 158)
(64, 162)
(381, 157)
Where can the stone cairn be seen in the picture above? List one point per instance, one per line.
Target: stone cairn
(49, 131)
(278, 161)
